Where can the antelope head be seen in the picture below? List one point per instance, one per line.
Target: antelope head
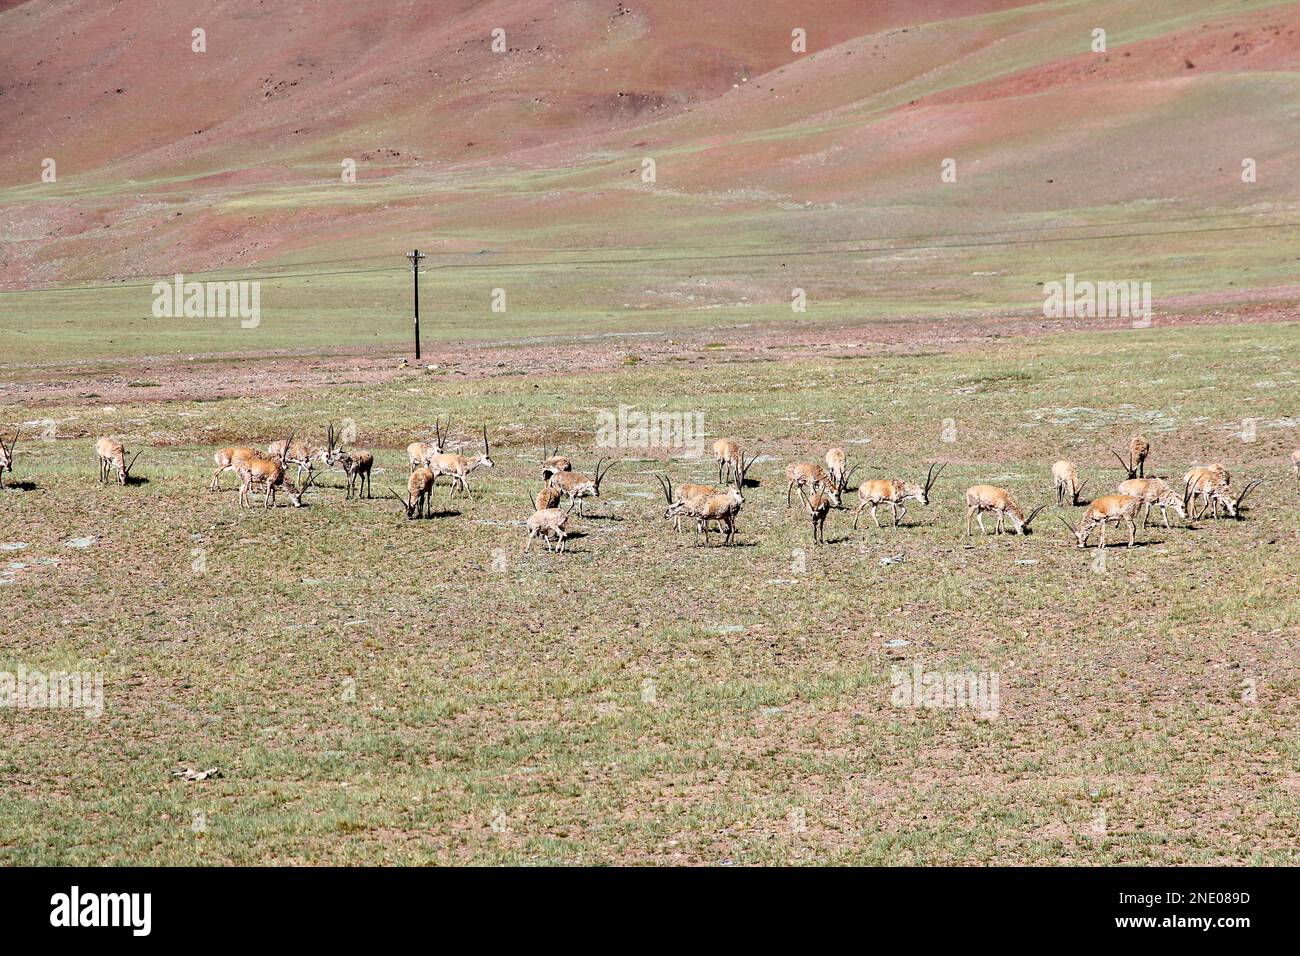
(484, 460)
(600, 476)
(1022, 527)
(743, 469)
(295, 493)
(922, 492)
(124, 467)
(441, 434)
(1128, 465)
(1234, 504)
(407, 503)
(333, 454)
(666, 484)
(1079, 530)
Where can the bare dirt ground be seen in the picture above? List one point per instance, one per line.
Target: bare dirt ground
(207, 377)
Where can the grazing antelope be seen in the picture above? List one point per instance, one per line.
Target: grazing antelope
(835, 467)
(1065, 479)
(728, 455)
(548, 523)
(229, 459)
(7, 459)
(1216, 493)
(721, 508)
(419, 488)
(819, 506)
(458, 467)
(576, 486)
(981, 498)
(809, 478)
(892, 492)
(270, 474)
(1202, 481)
(418, 453)
(113, 455)
(553, 462)
(1157, 492)
(683, 493)
(1104, 510)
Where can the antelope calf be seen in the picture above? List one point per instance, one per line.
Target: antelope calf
(113, 455)
(819, 506)
(892, 492)
(721, 508)
(1154, 492)
(1104, 510)
(982, 498)
(548, 524)
(1065, 479)
(419, 489)
(7, 459)
(458, 468)
(576, 486)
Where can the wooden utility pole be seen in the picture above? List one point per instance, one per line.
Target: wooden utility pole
(416, 258)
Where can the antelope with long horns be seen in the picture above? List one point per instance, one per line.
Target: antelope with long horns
(705, 509)
(1107, 509)
(419, 453)
(837, 468)
(576, 486)
(271, 475)
(1202, 481)
(356, 465)
(419, 489)
(1154, 492)
(819, 506)
(113, 455)
(1217, 494)
(892, 492)
(1065, 479)
(7, 459)
(459, 467)
(301, 454)
(1138, 450)
(982, 498)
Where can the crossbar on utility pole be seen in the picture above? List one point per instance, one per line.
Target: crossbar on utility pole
(416, 258)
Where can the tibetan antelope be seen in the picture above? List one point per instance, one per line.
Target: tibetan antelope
(683, 493)
(981, 498)
(1101, 511)
(419, 453)
(301, 454)
(836, 464)
(419, 488)
(553, 463)
(547, 497)
(1065, 479)
(7, 459)
(355, 464)
(113, 455)
(728, 455)
(1204, 479)
(229, 459)
(1154, 492)
(819, 506)
(1207, 484)
(459, 467)
(576, 486)
(721, 508)
(809, 478)
(894, 493)
(270, 474)
(548, 524)
(1138, 450)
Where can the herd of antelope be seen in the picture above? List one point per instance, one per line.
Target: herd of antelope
(821, 486)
